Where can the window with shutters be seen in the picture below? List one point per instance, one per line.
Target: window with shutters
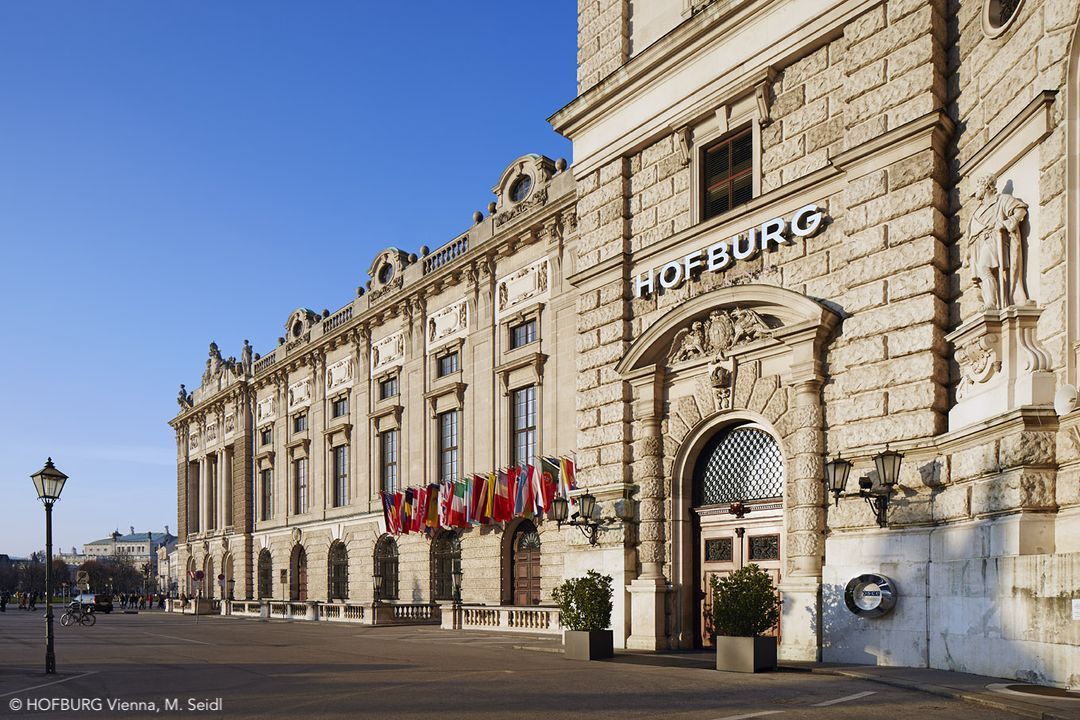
(728, 173)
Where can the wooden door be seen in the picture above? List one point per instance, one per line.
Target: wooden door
(526, 565)
(726, 544)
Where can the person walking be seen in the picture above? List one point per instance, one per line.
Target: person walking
(33, 600)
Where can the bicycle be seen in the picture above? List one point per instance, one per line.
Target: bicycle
(75, 614)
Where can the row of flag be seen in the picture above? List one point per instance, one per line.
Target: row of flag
(517, 491)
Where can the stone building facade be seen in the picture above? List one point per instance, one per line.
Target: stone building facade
(796, 236)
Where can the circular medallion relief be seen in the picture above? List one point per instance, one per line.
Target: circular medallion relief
(520, 189)
(870, 595)
(386, 273)
(998, 15)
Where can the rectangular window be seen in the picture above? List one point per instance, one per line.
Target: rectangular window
(448, 445)
(266, 436)
(300, 486)
(523, 334)
(299, 423)
(388, 453)
(448, 363)
(266, 493)
(341, 474)
(340, 407)
(728, 173)
(523, 418)
(388, 388)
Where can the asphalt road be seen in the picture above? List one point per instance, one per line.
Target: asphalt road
(251, 669)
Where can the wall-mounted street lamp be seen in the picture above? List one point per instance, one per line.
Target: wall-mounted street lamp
(49, 483)
(887, 464)
(583, 518)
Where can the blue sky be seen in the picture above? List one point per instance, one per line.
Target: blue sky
(176, 173)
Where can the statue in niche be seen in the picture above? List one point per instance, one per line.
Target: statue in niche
(996, 246)
(245, 358)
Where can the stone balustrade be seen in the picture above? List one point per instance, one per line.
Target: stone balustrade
(539, 619)
(446, 254)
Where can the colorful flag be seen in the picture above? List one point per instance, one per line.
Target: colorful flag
(517, 490)
(399, 502)
(419, 513)
(503, 510)
(457, 515)
(406, 511)
(446, 497)
(479, 499)
(390, 514)
(537, 489)
(432, 519)
(550, 469)
(489, 499)
(566, 477)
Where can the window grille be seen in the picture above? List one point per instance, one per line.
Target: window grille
(743, 463)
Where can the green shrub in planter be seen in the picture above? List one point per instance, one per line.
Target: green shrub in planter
(744, 603)
(585, 602)
(585, 606)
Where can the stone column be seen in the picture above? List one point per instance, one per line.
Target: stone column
(804, 507)
(648, 591)
(203, 464)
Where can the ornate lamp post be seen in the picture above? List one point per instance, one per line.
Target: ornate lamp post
(49, 483)
(377, 579)
(887, 465)
(583, 521)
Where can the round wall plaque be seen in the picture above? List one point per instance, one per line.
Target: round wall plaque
(870, 595)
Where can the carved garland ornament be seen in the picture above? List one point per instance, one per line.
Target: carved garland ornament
(448, 321)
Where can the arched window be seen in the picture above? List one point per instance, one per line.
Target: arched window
(445, 560)
(339, 571)
(743, 463)
(266, 574)
(298, 568)
(525, 565)
(386, 565)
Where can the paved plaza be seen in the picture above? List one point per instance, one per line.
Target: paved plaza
(252, 669)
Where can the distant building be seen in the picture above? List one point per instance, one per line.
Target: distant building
(138, 548)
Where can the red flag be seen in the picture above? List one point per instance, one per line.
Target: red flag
(566, 476)
(399, 503)
(478, 502)
(419, 513)
(503, 506)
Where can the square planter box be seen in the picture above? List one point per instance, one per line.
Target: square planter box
(745, 654)
(589, 644)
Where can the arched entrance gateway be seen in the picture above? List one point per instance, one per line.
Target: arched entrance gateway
(727, 409)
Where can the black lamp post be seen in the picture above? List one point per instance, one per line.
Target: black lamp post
(377, 579)
(49, 483)
(456, 576)
(887, 465)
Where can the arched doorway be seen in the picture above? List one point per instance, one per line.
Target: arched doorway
(525, 565)
(737, 510)
(386, 565)
(445, 560)
(266, 574)
(337, 581)
(228, 583)
(298, 574)
(189, 578)
(209, 579)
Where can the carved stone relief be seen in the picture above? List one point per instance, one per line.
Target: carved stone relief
(522, 287)
(265, 410)
(717, 334)
(211, 432)
(448, 323)
(230, 425)
(193, 440)
(340, 374)
(299, 394)
(387, 352)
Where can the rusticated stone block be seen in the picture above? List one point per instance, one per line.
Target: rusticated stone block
(974, 462)
(1013, 490)
(1027, 448)
(687, 409)
(953, 503)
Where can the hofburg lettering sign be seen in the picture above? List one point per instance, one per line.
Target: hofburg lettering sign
(804, 222)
